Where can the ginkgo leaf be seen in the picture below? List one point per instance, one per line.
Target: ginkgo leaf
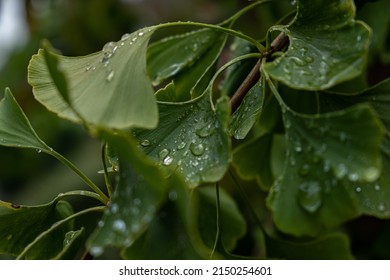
(191, 138)
(312, 192)
(15, 128)
(20, 225)
(327, 46)
(109, 88)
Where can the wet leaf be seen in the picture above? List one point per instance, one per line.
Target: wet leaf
(247, 113)
(184, 59)
(327, 46)
(191, 138)
(99, 79)
(325, 155)
(20, 225)
(74, 240)
(171, 235)
(138, 196)
(15, 128)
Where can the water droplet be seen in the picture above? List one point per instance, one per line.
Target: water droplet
(110, 76)
(167, 160)
(119, 225)
(205, 131)
(181, 146)
(96, 251)
(109, 49)
(145, 143)
(382, 207)
(172, 195)
(197, 149)
(125, 36)
(298, 148)
(163, 154)
(310, 196)
(353, 177)
(39, 151)
(141, 33)
(114, 208)
(358, 189)
(100, 223)
(371, 174)
(340, 171)
(358, 38)
(377, 187)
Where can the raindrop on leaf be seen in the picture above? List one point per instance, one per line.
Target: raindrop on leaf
(310, 196)
(197, 149)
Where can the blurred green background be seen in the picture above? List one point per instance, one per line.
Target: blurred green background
(82, 27)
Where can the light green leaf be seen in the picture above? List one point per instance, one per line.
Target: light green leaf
(20, 225)
(103, 89)
(327, 46)
(15, 128)
(141, 190)
(326, 154)
(333, 246)
(191, 138)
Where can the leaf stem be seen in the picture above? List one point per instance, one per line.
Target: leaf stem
(88, 181)
(56, 225)
(106, 176)
(82, 193)
(246, 85)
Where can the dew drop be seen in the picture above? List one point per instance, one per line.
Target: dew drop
(114, 208)
(205, 131)
(377, 187)
(109, 49)
(141, 34)
(167, 160)
(163, 154)
(39, 151)
(358, 189)
(125, 36)
(110, 76)
(96, 251)
(119, 225)
(310, 197)
(181, 146)
(100, 223)
(382, 207)
(197, 149)
(353, 177)
(371, 174)
(341, 170)
(145, 143)
(172, 195)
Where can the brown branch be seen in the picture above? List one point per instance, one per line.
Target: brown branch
(254, 75)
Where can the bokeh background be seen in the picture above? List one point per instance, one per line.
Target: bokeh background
(84, 26)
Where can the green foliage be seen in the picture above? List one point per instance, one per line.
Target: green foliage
(178, 122)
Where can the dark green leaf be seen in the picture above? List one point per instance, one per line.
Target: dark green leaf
(103, 89)
(326, 154)
(185, 59)
(327, 46)
(74, 240)
(232, 223)
(15, 128)
(141, 190)
(191, 138)
(248, 112)
(329, 247)
(171, 235)
(20, 225)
